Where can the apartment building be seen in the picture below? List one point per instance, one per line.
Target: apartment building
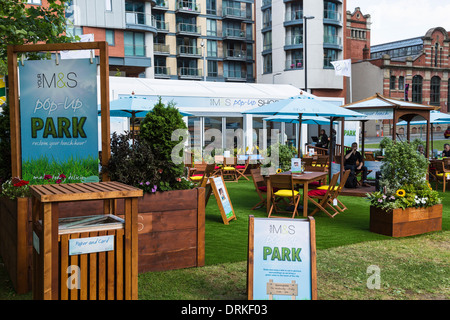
(171, 39)
(296, 41)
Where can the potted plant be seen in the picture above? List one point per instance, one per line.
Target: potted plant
(171, 212)
(406, 204)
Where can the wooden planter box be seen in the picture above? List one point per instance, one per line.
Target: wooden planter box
(171, 229)
(15, 245)
(406, 222)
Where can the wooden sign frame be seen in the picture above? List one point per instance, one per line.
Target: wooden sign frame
(218, 194)
(14, 105)
(291, 288)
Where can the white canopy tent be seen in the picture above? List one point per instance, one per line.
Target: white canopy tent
(206, 98)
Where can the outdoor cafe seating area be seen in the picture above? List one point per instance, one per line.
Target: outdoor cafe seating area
(315, 186)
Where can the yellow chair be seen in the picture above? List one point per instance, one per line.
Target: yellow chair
(229, 169)
(442, 174)
(284, 186)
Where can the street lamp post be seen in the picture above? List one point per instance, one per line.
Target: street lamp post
(204, 60)
(305, 49)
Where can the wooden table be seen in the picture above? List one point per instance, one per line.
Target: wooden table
(299, 178)
(46, 241)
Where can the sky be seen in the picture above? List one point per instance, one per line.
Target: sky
(394, 20)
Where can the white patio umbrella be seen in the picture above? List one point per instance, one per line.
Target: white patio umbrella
(300, 106)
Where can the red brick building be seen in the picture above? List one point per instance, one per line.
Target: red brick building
(357, 35)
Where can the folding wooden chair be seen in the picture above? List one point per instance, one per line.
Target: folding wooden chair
(260, 186)
(285, 185)
(229, 169)
(218, 166)
(240, 169)
(322, 198)
(336, 191)
(209, 169)
(442, 174)
(196, 173)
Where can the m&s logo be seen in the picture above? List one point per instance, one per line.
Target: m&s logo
(282, 229)
(57, 80)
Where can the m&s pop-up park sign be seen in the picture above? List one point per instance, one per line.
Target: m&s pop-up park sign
(58, 119)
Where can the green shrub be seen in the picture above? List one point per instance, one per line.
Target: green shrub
(132, 164)
(403, 182)
(156, 130)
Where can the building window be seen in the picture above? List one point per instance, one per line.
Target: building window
(109, 37)
(448, 94)
(392, 83)
(37, 2)
(328, 56)
(212, 69)
(267, 40)
(211, 7)
(435, 91)
(211, 27)
(267, 63)
(401, 83)
(212, 48)
(134, 44)
(417, 89)
(267, 18)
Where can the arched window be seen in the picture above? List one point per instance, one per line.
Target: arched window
(435, 91)
(417, 89)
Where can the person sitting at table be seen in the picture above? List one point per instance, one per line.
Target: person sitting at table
(323, 139)
(421, 150)
(446, 152)
(354, 162)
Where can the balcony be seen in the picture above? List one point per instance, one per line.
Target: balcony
(189, 73)
(235, 13)
(292, 64)
(161, 49)
(235, 54)
(162, 72)
(161, 5)
(294, 40)
(161, 26)
(332, 17)
(188, 29)
(296, 15)
(332, 41)
(140, 21)
(233, 34)
(187, 6)
(235, 75)
(189, 51)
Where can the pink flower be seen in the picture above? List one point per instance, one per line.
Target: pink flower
(58, 181)
(48, 177)
(62, 176)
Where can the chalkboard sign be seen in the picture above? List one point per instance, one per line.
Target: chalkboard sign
(223, 199)
(281, 259)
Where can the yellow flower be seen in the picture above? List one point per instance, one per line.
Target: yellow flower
(257, 148)
(400, 193)
(429, 186)
(279, 170)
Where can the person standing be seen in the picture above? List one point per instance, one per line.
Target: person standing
(323, 139)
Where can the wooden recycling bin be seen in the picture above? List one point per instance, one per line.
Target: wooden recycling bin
(85, 258)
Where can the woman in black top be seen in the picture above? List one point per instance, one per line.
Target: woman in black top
(323, 139)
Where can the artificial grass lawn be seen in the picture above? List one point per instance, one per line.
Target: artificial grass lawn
(411, 268)
(228, 243)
